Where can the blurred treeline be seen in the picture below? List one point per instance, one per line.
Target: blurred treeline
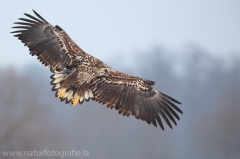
(31, 118)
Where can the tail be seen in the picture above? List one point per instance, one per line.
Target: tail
(67, 87)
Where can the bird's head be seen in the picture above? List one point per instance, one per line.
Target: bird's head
(103, 71)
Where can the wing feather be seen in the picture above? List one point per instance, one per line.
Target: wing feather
(119, 100)
(128, 102)
(165, 111)
(51, 44)
(32, 17)
(136, 96)
(116, 97)
(112, 93)
(124, 103)
(39, 16)
(141, 107)
(109, 92)
(112, 96)
(153, 115)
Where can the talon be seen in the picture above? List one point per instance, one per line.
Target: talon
(61, 93)
(75, 101)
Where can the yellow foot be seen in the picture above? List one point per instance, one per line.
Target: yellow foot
(75, 101)
(61, 93)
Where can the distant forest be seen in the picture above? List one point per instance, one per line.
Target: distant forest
(31, 118)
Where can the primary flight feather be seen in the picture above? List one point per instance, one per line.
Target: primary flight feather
(78, 76)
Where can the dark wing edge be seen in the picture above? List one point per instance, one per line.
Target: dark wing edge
(44, 41)
(151, 106)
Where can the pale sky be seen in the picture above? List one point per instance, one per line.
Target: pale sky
(105, 28)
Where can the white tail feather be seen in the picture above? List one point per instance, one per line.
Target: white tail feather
(59, 76)
(57, 86)
(60, 72)
(70, 95)
(90, 93)
(76, 94)
(65, 95)
(81, 99)
(86, 95)
(57, 80)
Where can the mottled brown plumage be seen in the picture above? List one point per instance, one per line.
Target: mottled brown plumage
(78, 76)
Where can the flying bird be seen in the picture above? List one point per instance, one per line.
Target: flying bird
(78, 76)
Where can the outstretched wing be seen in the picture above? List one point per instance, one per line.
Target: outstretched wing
(132, 95)
(52, 45)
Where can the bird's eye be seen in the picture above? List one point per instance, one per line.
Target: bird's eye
(106, 70)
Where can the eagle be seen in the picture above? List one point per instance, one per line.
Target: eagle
(78, 76)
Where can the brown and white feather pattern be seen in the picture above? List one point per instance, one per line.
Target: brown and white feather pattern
(78, 76)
